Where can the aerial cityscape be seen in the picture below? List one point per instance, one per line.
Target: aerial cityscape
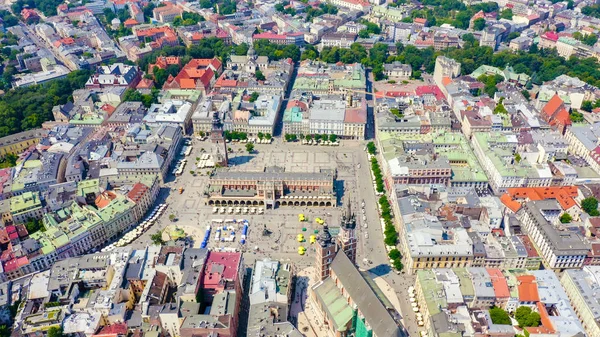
(299, 168)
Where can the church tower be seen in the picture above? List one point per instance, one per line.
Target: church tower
(325, 252)
(251, 65)
(219, 145)
(347, 238)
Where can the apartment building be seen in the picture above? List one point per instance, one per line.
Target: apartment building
(561, 249)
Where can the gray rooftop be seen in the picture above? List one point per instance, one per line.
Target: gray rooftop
(588, 135)
(272, 175)
(587, 283)
(376, 315)
(562, 242)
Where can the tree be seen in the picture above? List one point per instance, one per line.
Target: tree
(394, 254)
(249, 147)
(371, 148)
(576, 117)
(260, 135)
(259, 76)
(590, 206)
(499, 316)
(268, 136)
(522, 313)
(254, 96)
(25, 108)
(55, 332)
(332, 138)
(500, 109)
(34, 225)
(506, 14)
(9, 19)
(157, 238)
(526, 94)
(570, 4)
(364, 34)
(593, 10)
(148, 11)
(391, 240)
(479, 24)
(566, 218)
(9, 160)
(398, 265)
(4, 331)
(517, 157)
(527, 317)
(172, 217)
(192, 172)
(132, 95)
(587, 106)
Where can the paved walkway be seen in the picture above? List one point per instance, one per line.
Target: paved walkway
(308, 321)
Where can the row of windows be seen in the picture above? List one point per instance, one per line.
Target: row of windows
(443, 258)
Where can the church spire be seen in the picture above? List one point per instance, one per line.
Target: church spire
(251, 52)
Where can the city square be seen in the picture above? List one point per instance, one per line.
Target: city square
(193, 215)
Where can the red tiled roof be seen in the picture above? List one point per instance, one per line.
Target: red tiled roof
(296, 103)
(510, 203)
(137, 192)
(159, 35)
(357, 2)
(197, 70)
(115, 329)
(104, 199)
(553, 106)
(187, 83)
(478, 15)
(22, 261)
(108, 108)
(499, 283)
(595, 250)
(220, 267)
(528, 290)
(7, 254)
(357, 115)
(11, 265)
(429, 89)
(197, 36)
(22, 231)
(396, 94)
(145, 83)
(547, 327)
(221, 33)
(27, 13)
(225, 83)
(130, 22)
(564, 195)
(4, 239)
(169, 8)
(562, 117)
(552, 36)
